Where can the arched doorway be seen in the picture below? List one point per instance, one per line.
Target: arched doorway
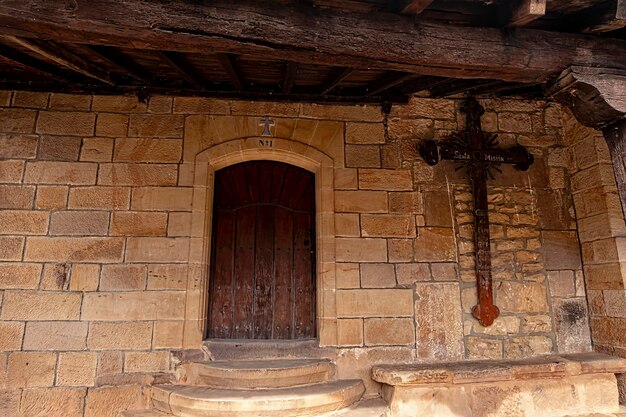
(262, 280)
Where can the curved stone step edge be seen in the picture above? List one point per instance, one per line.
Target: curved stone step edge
(145, 413)
(305, 401)
(210, 375)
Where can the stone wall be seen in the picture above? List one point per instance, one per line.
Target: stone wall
(104, 229)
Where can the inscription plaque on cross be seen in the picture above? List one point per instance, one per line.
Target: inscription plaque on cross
(476, 150)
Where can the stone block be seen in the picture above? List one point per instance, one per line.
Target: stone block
(100, 198)
(146, 361)
(361, 250)
(138, 224)
(11, 171)
(406, 202)
(23, 222)
(123, 277)
(11, 248)
(75, 249)
(347, 225)
(32, 305)
(16, 196)
(167, 277)
(365, 133)
(141, 305)
(5, 98)
(157, 126)
(79, 223)
(375, 303)
(346, 179)
(97, 150)
(17, 120)
(168, 334)
(19, 276)
(350, 332)
(561, 250)
(378, 276)
(536, 324)
(179, 225)
(410, 273)
(70, 101)
(18, 146)
(355, 113)
(521, 297)
(385, 179)
(128, 336)
(514, 122)
(482, 348)
(435, 244)
(31, 369)
(527, 346)
(389, 331)
(562, 283)
(11, 334)
(444, 272)
(363, 156)
(608, 276)
(58, 402)
(55, 277)
(388, 225)
(85, 277)
(51, 197)
(56, 336)
(409, 129)
(110, 363)
(59, 148)
(347, 275)
(162, 198)
(77, 369)
(437, 211)
(600, 175)
(118, 104)
(440, 339)
(400, 250)
(201, 105)
(62, 173)
(111, 401)
(502, 326)
(66, 123)
(572, 325)
(157, 249)
(138, 174)
(112, 125)
(30, 99)
(361, 201)
(148, 150)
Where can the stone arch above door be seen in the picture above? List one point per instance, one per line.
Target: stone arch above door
(287, 150)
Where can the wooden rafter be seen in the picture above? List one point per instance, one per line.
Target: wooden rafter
(31, 64)
(527, 11)
(230, 66)
(345, 39)
(605, 17)
(335, 79)
(291, 72)
(63, 58)
(116, 58)
(182, 67)
(414, 7)
(457, 86)
(388, 81)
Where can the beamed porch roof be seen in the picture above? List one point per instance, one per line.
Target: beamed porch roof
(353, 51)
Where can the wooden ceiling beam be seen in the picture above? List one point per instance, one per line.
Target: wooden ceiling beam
(527, 11)
(64, 58)
(335, 79)
(31, 64)
(340, 39)
(178, 62)
(230, 66)
(605, 17)
(414, 7)
(291, 72)
(456, 86)
(116, 58)
(388, 81)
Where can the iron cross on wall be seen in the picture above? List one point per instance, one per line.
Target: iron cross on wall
(476, 150)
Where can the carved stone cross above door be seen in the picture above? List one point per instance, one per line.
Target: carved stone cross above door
(476, 150)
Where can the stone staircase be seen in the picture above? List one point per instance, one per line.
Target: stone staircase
(260, 388)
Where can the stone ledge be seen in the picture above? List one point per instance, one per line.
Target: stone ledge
(552, 366)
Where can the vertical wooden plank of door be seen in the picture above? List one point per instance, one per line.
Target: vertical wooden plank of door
(304, 277)
(283, 268)
(243, 291)
(264, 272)
(221, 313)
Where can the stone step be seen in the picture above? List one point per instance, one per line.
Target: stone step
(279, 373)
(145, 413)
(229, 349)
(309, 400)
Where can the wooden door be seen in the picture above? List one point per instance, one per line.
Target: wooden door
(263, 253)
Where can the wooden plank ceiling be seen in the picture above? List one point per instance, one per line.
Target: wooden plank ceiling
(36, 55)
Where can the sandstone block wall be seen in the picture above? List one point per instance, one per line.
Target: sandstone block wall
(98, 233)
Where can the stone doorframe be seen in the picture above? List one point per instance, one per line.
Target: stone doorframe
(272, 149)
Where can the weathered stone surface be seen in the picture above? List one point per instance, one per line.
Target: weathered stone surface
(122, 104)
(17, 120)
(521, 297)
(350, 332)
(361, 201)
(59, 148)
(157, 249)
(158, 126)
(51, 197)
(73, 173)
(168, 334)
(375, 303)
(23, 222)
(378, 276)
(481, 348)
(110, 336)
(363, 156)
(112, 124)
(146, 361)
(138, 174)
(572, 325)
(77, 369)
(85, 277)
(394, 331)
(58, 402)
(440, 339)
(30, 99)
(16, 196)
(10, 336)
(18, 146)
(74, 249)
(147, 150)
(410, 273)
(57, 336)
(179, 225)
(347, 275)
(11, 171)
(104, 198)
(97, 150)
(123, 277)
(437, 211)
(139, 305)
(79, 223)
(19, 275)
(31, 369)
(363, 113)
(385, 179)
(66, 123)
(361, 250)
(162, 198)
(138, 224)
(527, 346)
(32, 305)
(365, 133)
(70, 101)
(11, 248)
(434, 244)
(561, 249)
(199, 105)
(168, 277)
(387, 225)
(111, 401)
